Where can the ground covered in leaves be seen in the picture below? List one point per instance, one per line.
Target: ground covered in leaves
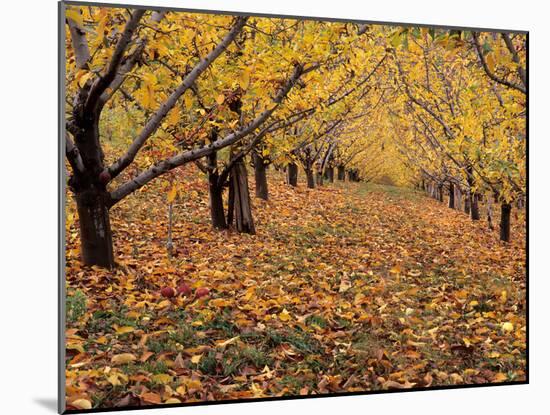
(348, 287)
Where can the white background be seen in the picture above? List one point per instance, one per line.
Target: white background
(28, 203)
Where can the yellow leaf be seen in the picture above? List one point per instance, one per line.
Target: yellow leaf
(284, 315)
(220, 98)
(490, 59)
(123, 358)
(113, 380)
(75, 16)
(162, 378)
(196, 359)
(172, 400)
(84, 78)
(503, 296)
(123, 330)
(188, 99)
(174, 116)
(245, 79)
(227, 342)
(508, 327)
(82, 404)
(218, 274)
(172, 194)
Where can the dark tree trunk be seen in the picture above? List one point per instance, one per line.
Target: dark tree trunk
(215, 189)
(505, 210)
(473, 197)
(95, 228)
(260, 176)
(92, 199)
(474, 208)
(467, 203)
(292, 174)
(310, 179)
(240, 196)
(341, 173)
(451, 195)
(217, 213)
(329, 171)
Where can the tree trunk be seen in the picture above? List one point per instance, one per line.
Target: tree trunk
(217, 213)
(467, 203)
(319, 178)
(505, 210)
(95, 228)
(458, 198)
(260, 176)
(451, 195)
(342, 173)
(242, 210)
(310, 179)
(292, 174)
(474, 208)
(329, 171)
(91, 196)
(440, 192)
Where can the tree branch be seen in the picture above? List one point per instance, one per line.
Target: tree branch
(491, 75)
(73, 155)
(156, 119)
(197, 153)
(79, 43)
(515, 58)
(104, 81)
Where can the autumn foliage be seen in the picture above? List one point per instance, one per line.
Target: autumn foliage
(274, 207)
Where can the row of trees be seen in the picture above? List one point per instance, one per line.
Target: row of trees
(162, 90)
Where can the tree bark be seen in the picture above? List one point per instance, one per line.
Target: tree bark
(95, 228)
(330, 174)
(310, 179)
(260, 176)
(217, 213)
(474, 208)
(242, 211)
(440, 192)
(505, 210)
(458, 198)
(341, 173)
(467, 203)
(451, 195)
(292, 174)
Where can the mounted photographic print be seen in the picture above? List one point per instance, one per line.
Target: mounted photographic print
(273, 207)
